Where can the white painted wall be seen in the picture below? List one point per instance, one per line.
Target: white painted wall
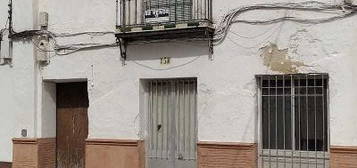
(17, 82)
(226, 100)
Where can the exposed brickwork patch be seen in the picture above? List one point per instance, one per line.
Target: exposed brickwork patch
(227, 155)
(343, 157)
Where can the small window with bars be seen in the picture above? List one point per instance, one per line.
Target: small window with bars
(294, 120)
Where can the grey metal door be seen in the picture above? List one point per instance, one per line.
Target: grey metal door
(172, 123)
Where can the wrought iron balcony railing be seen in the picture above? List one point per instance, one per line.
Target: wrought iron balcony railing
(134, 15)
(150, 20)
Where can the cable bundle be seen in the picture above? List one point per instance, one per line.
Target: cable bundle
(230, 18)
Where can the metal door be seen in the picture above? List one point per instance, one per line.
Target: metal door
(172, 123)
(72, 124)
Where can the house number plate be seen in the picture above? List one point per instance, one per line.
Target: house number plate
(164, 60)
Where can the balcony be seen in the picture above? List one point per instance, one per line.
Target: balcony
(158, 20)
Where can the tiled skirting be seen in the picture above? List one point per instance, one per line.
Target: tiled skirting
(227, 155)
(343, 157)
(34, 153)
(111, 153)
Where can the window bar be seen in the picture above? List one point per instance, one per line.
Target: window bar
(307, 120)
(175, 11)
(175, 108)
(182, 125)
(129, 12)
(168, 116)
(284, 134)
(197, 9)
(195, 117)
(156, 119)
(178, 85)
(189, 118)
(269, 125)
(183, 11)
(153, 111)
(151, 122)
(260, 114)
(206, 8)
(323, 120)
(200, 8)
(299, 102)
(292, 118)
(124, 12)
(159, 121)
(162, 112)
(210, 10)
(315, 109)
(116, 13)
(158, 4)
(194, 9)
(150, 119)
(276, 123)
(136, 11)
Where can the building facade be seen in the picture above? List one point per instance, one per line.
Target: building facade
(178, 83)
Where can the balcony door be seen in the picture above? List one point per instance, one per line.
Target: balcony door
(172, 123)
(168, 10)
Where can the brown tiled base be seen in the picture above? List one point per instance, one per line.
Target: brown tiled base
(227, 155)
(5, 165)
(34, 153)
(343, 157)
(114, 153)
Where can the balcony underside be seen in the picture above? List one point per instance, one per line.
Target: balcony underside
(167, 34)
(161, 33)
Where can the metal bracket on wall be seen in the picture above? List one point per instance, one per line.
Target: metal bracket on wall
(10, 18)
(210, 45)
(123, 45)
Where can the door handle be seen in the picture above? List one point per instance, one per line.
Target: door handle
(180, 156)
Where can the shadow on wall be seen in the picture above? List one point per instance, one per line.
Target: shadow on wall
(179, 49)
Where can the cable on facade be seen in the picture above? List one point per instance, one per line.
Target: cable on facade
(313, 6)
(222, 28)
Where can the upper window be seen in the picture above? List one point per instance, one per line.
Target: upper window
(167, 10)
(294, 116)
(143, 12)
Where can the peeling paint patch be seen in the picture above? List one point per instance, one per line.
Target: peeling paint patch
(278, 60)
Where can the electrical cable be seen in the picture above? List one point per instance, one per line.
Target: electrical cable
(222, 29)
(313, 6)
(255, 36)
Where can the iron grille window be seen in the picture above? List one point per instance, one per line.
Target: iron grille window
(294, 120)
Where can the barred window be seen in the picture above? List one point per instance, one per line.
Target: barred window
(294, 120)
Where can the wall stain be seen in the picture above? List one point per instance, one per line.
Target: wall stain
(278, 60)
